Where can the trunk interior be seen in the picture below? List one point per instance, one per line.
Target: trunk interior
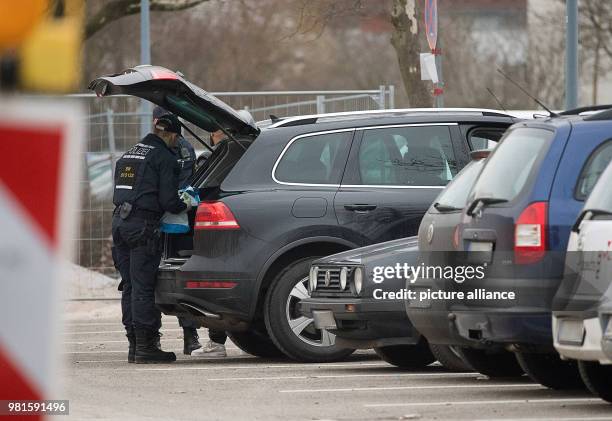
(208, 179)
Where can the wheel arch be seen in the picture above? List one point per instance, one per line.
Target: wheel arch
(296, 250)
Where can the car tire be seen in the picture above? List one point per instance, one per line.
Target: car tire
(550, 370)
(256, 343)
(449, 357)
(494, 364)
(292, 333)
(407, 356)
(597, 378)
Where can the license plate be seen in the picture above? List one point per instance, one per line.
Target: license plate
(484, 246)
(324, 319)
(480, 252)
(571, 332)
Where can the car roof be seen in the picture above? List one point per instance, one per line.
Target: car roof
(361, 115)
(582, 117)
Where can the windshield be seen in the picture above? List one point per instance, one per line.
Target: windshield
(456, 194)
(601, 196)
(508, 168)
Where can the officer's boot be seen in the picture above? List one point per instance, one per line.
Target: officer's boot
(147, 350)
(190, 340)
(132, 350)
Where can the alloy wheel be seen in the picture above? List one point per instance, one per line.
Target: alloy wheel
(303, 327)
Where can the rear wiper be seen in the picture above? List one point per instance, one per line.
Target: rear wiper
(445, 208)
(481, 202)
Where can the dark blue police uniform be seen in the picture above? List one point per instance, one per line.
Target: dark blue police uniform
(146, 185)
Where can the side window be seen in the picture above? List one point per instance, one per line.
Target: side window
(407, 156)
(596, 164)
(317, 159)
(484, 138)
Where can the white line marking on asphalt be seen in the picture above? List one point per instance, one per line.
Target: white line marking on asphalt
(124, 341)
(343, 376)
(117, 323)
(310, 377)
(492, 402)
(375, 388)
(254, 367)
(114, 331)
(546, 419)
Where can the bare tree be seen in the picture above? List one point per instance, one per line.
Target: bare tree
(314, 16)
(407, 40)
(116, 9)
(596, 37)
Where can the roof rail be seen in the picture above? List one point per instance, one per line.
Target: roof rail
(313, 118)
(577, 111)
(602, 115)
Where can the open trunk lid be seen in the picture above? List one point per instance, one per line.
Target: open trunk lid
(170, 90)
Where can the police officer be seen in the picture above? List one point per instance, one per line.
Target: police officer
(146, 186)
(185, 155)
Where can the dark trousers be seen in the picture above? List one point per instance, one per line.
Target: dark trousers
(137, 254)
(217, 336)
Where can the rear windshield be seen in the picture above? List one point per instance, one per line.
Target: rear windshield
(217, 166)
(455, 195)
(508, 168)
(601, 196)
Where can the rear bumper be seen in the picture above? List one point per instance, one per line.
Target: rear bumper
(217, 308)
(524, 322)
(371, 323)
(591, 347)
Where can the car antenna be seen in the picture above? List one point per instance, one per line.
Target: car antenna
(497, 100)
(552, 113)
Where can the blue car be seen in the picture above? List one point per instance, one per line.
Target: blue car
(515, 230)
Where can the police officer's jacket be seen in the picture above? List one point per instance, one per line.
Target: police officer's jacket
(147, 176)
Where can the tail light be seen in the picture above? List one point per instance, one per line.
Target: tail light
(215, 216)
(530, 234)
(163, 74)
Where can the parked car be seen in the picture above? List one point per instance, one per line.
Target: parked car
(279, 197)
(582, 327)
(349, 298)
(516, 227)
(438, 247)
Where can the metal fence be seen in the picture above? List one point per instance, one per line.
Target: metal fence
(113, 125)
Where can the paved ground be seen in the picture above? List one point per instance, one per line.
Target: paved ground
(101, 385)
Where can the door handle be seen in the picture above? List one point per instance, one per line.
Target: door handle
(360, 207)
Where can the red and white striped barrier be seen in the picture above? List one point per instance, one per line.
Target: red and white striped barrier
(39, 160)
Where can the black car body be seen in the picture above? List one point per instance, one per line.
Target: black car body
(298, 189)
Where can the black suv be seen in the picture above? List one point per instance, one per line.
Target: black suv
(297, 189)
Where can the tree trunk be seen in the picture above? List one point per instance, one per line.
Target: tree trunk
(408, 41)
(596, 69)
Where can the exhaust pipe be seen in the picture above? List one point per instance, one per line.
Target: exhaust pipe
(200, 311)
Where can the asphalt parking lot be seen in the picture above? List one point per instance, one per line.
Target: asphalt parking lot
(100, 384)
